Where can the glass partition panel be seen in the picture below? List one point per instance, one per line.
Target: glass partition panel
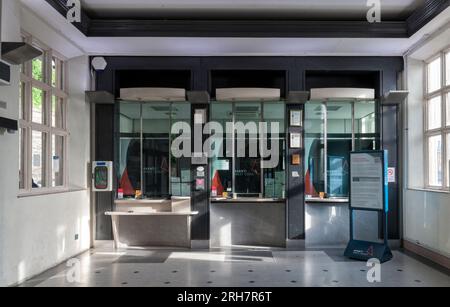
(339, 144)
(180, 174)
(236, 166)
(247, 159)
(315, 114)
(155, 149)
(129, 171)
(333, 129)
(222, 161)
(275, 178)
(366, 134)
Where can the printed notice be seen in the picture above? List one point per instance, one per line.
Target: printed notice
(366, 184)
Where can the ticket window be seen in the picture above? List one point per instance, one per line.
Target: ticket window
(146, 165)
(332, 131)
(244, 177)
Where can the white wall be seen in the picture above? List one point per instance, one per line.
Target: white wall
(426, 219)
(37, 233)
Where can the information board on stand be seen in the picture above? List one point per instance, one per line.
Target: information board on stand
(369, 179)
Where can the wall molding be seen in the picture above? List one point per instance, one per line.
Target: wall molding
(427, 253)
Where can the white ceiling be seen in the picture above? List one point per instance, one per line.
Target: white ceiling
(74, 43)
(332, 9)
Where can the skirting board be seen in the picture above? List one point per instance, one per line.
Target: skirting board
(295, 244)
(427, 253)
(200, 244)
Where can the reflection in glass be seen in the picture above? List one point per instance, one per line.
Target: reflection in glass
(221, 165)
(339, 145)
(130, 149)
(146, 162)
(314, 148)
(243, 175)
(156, 135)
(247, 161)
(275, 178)
(335, 129)
(366, 136)
(180, 175)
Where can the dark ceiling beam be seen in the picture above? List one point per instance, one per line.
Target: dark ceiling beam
(244, 28)
(61, 7)
(425, 14)
(255, 28)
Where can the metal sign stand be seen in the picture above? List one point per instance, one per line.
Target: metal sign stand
(365, 250)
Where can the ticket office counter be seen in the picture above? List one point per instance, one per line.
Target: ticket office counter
(153, 204)
(334, 128)
(248, 206)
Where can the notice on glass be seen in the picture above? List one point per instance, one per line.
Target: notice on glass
(366, 176)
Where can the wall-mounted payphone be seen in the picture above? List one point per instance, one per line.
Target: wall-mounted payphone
(102, 176)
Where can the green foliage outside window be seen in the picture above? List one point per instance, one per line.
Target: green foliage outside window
(38, 73)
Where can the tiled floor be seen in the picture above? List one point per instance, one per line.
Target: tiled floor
(104, 266)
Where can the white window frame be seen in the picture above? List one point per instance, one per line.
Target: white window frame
(28, 126)
(444, 130)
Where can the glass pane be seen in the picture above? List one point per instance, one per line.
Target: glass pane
(222, 162)
(156, 133)
(21, 100)
(57, 161)
(447, 68)
(434, 113)
(247, 158)
(129, 171)
(57, 73)
(434, 75)
(38, 106)
(57, 112)
(435, 161)
(38, 159)
(54, 73)
(314, 148)
(366, 135)
(339, 144)
(22, 147)
(180, 177)
(38, 68)
(275, 178)
(448, 109)
(448, 160)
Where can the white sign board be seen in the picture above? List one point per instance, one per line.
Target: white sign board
(391, 174)
(366, 181)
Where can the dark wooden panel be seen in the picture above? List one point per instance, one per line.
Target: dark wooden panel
(104, 151)
(245, 28)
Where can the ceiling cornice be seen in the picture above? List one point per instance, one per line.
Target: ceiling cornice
(255, 28)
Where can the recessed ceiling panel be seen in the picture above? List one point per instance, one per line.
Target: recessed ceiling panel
(247, 9)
